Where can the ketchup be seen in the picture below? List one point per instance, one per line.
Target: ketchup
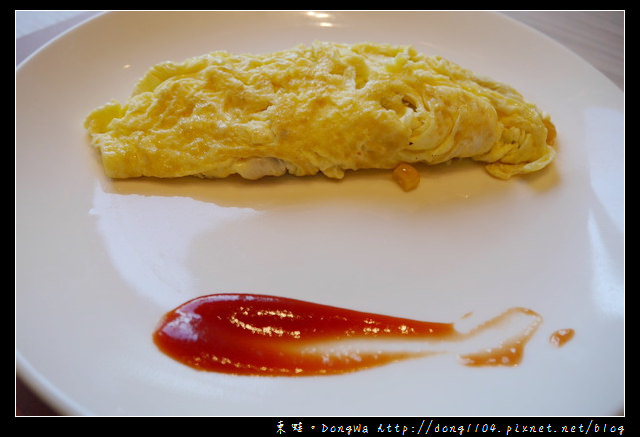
(561, 336)
(252, 334)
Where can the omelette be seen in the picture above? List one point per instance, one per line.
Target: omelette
(323, 108)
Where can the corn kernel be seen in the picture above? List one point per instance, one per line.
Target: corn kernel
(406, 176)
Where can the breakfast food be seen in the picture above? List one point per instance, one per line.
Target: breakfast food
(321, 108)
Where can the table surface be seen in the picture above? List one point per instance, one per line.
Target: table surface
(595, 36)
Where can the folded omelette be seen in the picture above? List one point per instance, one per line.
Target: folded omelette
(321, 108)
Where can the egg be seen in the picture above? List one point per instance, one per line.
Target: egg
(323, 108)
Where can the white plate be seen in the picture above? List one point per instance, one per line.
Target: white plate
(98, 262)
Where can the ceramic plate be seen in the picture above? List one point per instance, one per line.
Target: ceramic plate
(98, 262)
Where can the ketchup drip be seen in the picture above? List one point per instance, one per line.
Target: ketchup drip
(251, 334)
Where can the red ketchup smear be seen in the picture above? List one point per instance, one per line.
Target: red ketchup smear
(251, 334)
(560, 337)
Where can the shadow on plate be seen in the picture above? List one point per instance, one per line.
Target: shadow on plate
(449, 184)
